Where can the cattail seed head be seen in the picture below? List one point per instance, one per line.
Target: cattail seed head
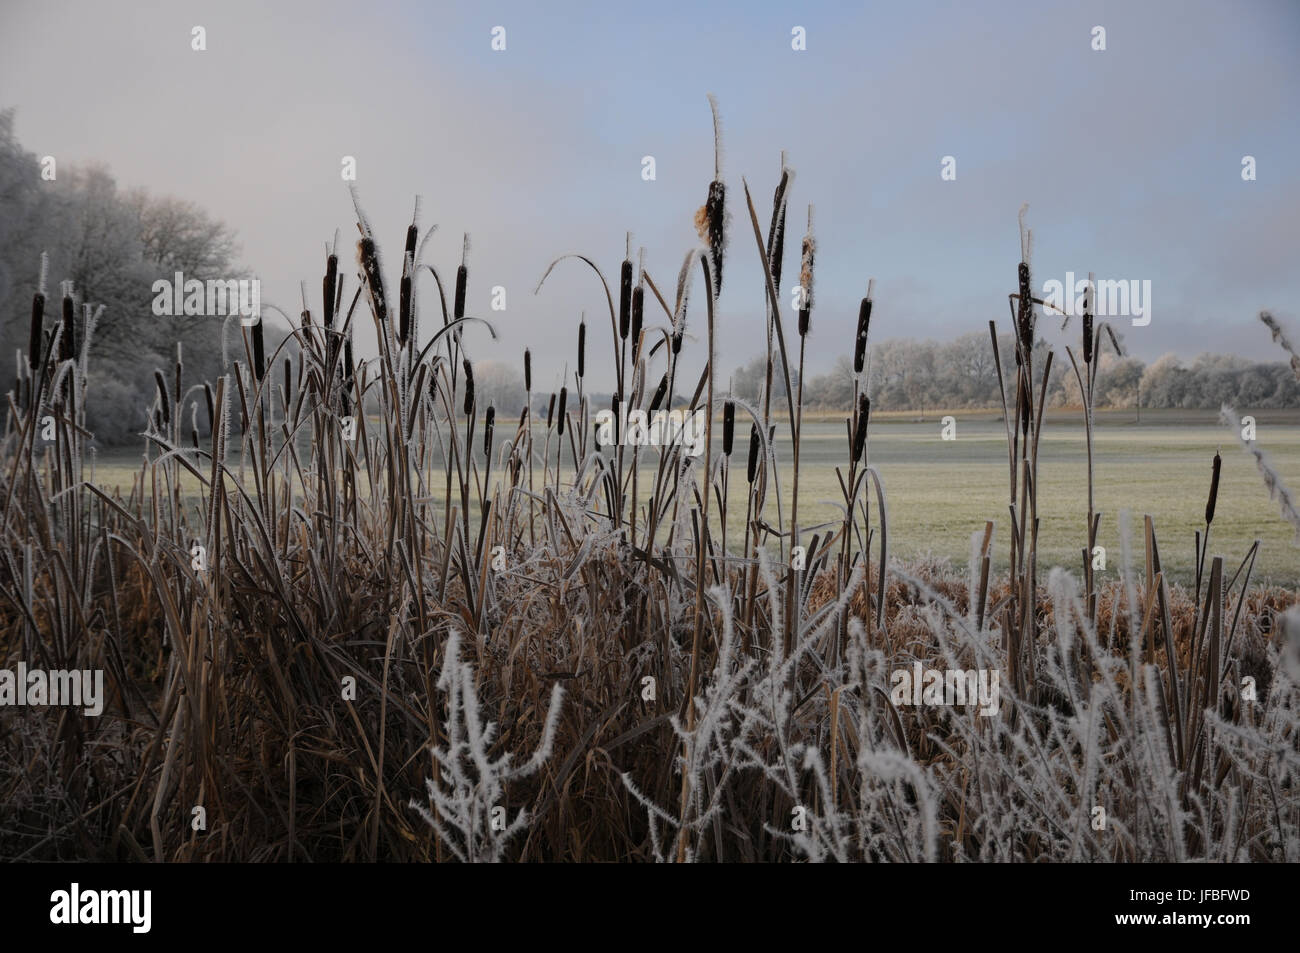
(488, 423)
(751, 470)
(469, 386)
(458, 308)
(163, 399)
(212, 410)
(806, 278)
(660, 392)
(860, 340)
(550, 412)
(411, 233)
(776, 234)
(617, 403)
(67, 342)
(624, 299)
(582, 349)
(404, 310)
(710, 224)
(259, 351)
(1214, 490)
(559, 421)
(728, 426)
(369, 255)
(638, 315)
(330, 289)
(37, 332)
(528, 370)
(1026, 310)
(860, 431)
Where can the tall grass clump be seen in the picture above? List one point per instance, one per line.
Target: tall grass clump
(325, 617)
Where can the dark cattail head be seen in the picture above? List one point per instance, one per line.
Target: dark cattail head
(618, 430)
(550, 412)
(559, 420)
(462, 278)
(860, 340)
(1088, 335)
(710, 223)
(776, 234)
(625, 299)
(67, 340)
(288, 381)
(751, 469)
(469, 386)
(728, 426)
(1214, 490)
(259, 351)
(369, 256)
(528, 370)
(582, 348)
(330, 289)
(163, 399)
(34, 342)
(638, 316)
(860, 431)
(806, 278)
(660, 392)
(211, 405)
(1025, 315)
(488, 423)
(404, 307)
(411, 232)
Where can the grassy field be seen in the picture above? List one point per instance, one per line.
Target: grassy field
(940, 492)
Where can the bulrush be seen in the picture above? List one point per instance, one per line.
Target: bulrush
(751, 468)
(462, 278)
(163, 400)
(369, 257)
(559, 420)
(638, 317)
(259, 351)
(710, 219)
(728, 426)
(582, 348)
(528, 370)
(330, 289)
(1087, 323)
(625, 299)
(860, 339)
(660, 392)
(1025, 313)
(550, 412)
(469, 385)
(408, 280)
(1214, 489)
(489, 422)
(860, 431)
(806, 276)
(67, 340)
(37, 332)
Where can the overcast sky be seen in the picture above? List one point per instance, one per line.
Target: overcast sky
(1130, 159)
